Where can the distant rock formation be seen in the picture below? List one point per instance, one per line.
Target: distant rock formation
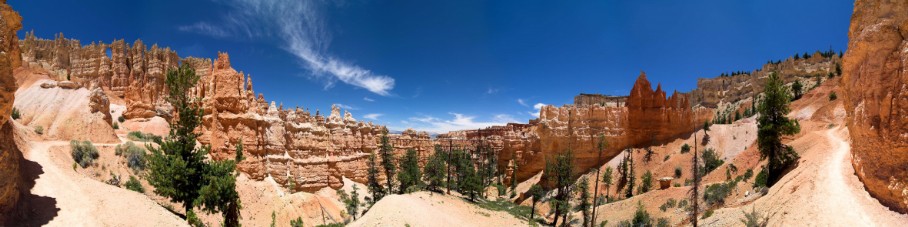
(648, 117)
(312, 151)
(10, 156)
(710, 92)
(876, 98)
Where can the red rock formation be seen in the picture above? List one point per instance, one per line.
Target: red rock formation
(876, 99)
(710, 92)
(10, 22)
(648, 117)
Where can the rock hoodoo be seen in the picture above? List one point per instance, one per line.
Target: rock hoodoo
(648, 117)
(876, 99)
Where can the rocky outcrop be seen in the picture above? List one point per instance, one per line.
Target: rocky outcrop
(875, 71)
(135, 74)
(648, 117)
(10, 156)
(711, 92)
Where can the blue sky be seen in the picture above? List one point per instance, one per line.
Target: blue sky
(447, 65)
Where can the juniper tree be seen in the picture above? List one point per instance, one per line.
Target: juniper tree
(772, 124)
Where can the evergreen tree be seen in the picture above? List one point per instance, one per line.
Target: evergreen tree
(537, 193)
(772, 125)
(386, 151)
(558, 172)
(352, 203)
(179, 171)
(607, 180)
(409, 175)
(646, 182)
(631, 178)
(584, 205)
(602, 144)
(436, 170)
(797, 89)
(378, 192)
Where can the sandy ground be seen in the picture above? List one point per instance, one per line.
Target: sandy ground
(425, 209)
(822, 191)
(63, 113)
(82, 201)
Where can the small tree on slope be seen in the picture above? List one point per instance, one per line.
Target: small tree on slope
(772, 125)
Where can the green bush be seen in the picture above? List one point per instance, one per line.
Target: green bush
(143, 137)
(716, 193)
(646, 182)
(116, 126)
(677, 172)
(83, 152)
(748, 174)
(711, 160)
(707, 214)
(134, 184)
(135, 155)
(833, 96)
(16, 115)
(502, 190)
(685, 148)
(662, 222)
(298, 222)
(39, 130)
(121, 119)
(762, 178)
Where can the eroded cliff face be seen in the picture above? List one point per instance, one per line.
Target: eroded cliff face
(648, 117)
(875, 69)
(290, 145)
(711, 92)
(135, 74)
(10, 22)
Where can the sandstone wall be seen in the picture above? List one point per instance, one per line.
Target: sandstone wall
(648, 117)
(710, 92)
(10, 22)
(875, 72)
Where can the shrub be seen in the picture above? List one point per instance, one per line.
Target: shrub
(134, 184)
(670, 203)
(114, 179)
(716, 193)
(762, 178)
(39, 130)
(135, 155)
(662, 222)
(121, 119)
(116, 126)
(707, 214)
(685, 148)
(833, 96)
(298, 222)
(754, 219)
(641, 217)
(83, 152)
(502, 190)
(16, 115)
(748, 174)
(677, 172)
(711, 160)
(143, 137)
(682, 204)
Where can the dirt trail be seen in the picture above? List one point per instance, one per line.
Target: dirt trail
(85, 202)
(821, 191)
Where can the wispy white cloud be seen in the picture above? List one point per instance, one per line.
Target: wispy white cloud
(490, 91)
(367, 99)
(457, 122)
(301, 28)
(372, 116)
(522, 102)
(205, 29)
(537, 107)
(346, 107)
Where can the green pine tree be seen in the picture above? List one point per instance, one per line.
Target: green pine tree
(387, 160)
(409, 175)
(772, 125)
